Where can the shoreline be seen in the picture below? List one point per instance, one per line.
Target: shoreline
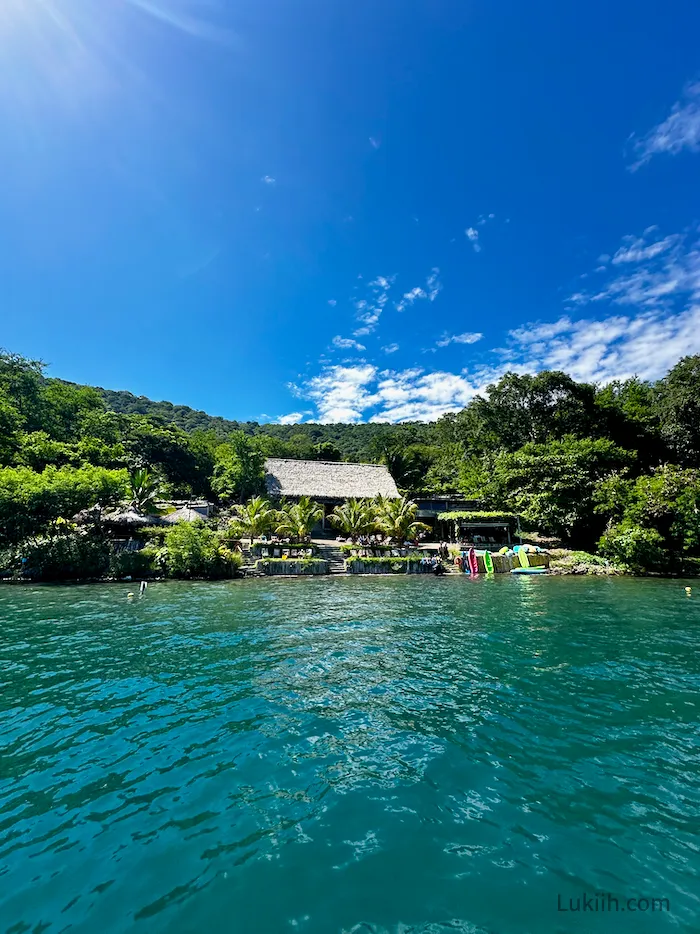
(247, 578)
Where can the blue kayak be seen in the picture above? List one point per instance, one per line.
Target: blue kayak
(529, 571)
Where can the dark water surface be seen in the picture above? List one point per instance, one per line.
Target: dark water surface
(349, 755)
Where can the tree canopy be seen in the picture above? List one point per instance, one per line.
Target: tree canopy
(575, 460)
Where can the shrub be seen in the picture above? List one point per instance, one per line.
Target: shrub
(73, 555)
(634, 547)
(29, 501)
(132, 563)
(191, 549)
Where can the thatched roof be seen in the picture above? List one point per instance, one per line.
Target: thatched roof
(327, 479)
(183, 514)
(128, 517)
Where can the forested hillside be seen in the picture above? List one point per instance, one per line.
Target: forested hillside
(614, 467)
(354, 442)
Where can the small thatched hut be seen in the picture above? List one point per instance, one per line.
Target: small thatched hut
(186, 512)
(126, 519)
(327, 482)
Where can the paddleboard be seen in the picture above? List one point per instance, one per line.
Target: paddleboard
(473, 562)
(488, 562)
(529, 571)
(524, 560)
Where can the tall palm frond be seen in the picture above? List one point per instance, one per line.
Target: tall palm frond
(144, 492)
(255, 518)
(397, 519)
(355, 517)
(296, 520)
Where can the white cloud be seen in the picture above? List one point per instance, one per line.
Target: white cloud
(292, 419)
(469, 337)
(332, 302)
(660, 273)
(410, 297)
(361, 392)
(339, 392)
(533, 333)
(660, 284)
(268, 180)
(369, 309)
(433, 284)
(374, 142)
(473, 236)
(635, 249)
(680, 130)
(617, 347)
(657, 280)
(432, 289)
(346, 343)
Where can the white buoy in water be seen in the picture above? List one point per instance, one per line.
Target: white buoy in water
(689, 590)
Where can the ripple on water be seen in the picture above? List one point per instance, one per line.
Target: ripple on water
(379, 755)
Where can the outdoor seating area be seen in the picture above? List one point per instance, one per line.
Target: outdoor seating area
(278, 548)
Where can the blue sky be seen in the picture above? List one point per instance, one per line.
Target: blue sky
(347, 210)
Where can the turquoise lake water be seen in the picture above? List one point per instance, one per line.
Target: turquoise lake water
(350, 755)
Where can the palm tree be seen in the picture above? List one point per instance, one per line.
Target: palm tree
(296, 520)
(255, 518)
(145, 491)
(355, 517)
(397, 519)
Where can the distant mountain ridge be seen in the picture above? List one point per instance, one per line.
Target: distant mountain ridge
(183, 416)
(360, 442)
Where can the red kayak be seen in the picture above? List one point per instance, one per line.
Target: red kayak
(473, 562)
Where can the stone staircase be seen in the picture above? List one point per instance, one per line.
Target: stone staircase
(331, 553)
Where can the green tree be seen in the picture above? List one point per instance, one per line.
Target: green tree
(167, 450)
(239, 470)
(678, 404)
(255, 518)
(22, 381)
(11, 423)
(64, 408)
(552, 485)
(666, 501)
(38, 450)
(409, 465)
(626, 412)
(144, 492)
(30, 501)
(63, 553)
(296, 520)
(192, 550)
(397, 519)
(327, 451)
(634, 547)
(521, 409)
(355, 517)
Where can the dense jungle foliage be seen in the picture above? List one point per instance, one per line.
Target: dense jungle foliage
(615, 467)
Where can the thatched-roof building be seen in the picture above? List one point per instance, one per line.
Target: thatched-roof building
(327, 482)
(186, 512)
(126, 519)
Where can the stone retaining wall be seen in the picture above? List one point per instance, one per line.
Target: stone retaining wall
(278, 567)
